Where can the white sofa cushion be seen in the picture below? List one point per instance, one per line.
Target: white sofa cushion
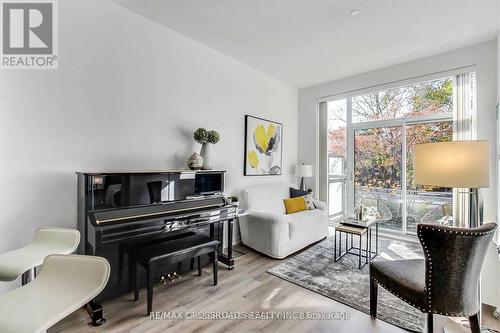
(306, 227)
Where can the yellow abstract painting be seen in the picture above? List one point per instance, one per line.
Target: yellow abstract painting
(263, 147)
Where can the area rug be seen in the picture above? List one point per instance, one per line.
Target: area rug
(315, 269)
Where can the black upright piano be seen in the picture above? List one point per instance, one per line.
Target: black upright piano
(117, 210)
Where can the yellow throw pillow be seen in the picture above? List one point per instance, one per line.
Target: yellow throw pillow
(294, 205)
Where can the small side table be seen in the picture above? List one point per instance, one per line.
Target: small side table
(349, 232)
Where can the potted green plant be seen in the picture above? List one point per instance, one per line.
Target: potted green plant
(206, 138)
(234, 200)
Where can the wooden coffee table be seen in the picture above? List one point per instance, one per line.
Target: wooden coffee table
(366, 254)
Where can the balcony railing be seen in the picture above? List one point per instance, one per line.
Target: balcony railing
(419, 204)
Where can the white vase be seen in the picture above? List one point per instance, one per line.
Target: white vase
(206, 154)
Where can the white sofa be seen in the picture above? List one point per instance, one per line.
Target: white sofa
(269, 230)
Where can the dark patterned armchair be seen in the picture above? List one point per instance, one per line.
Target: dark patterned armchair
(446, 281)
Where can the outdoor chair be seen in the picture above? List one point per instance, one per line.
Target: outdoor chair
(384, 214)
(441, 215)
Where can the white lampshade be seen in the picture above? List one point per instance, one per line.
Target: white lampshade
(304, 170)
(452, 164)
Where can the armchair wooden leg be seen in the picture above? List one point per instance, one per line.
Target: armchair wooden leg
(474, 324)
(430, 323)
(373, 298)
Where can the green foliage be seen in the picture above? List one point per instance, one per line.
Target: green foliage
(378, 151)
(440, 94)
(213, 137)
(201, 135)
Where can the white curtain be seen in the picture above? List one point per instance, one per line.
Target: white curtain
(464, 128)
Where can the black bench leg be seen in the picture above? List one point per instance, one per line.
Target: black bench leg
(191, 265)
(373, 297)
(131, 269)
(120, 266)
(199, 266)
(151, 283)
(135, 270)
(215, 267)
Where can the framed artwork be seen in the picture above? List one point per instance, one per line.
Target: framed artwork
(263, 147)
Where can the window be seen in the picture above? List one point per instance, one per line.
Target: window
(408, 101)
(370, 142)
(423, 202)
(337, 135)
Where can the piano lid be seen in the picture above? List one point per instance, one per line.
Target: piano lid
(114, 190)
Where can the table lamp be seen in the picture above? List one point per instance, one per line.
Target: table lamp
(462, 164)
(302, 171)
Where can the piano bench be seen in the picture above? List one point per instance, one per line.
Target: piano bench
(153, 256)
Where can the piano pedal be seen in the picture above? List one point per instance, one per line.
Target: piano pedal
(169, 277)
(164, 279)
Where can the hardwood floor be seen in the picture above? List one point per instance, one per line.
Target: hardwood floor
(246, 288)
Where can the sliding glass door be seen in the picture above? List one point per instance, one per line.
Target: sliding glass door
(378, 168)
(426, 203)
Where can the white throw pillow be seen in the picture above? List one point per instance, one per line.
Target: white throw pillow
(309, 202)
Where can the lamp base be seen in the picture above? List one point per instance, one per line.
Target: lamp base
(303, 183)
(461, 327)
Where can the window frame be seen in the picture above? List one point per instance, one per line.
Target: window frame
(403, 122)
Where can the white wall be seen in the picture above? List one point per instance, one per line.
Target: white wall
(127, 95)
(498, 62)
(484, 57)
(497, 170)
(498, 66)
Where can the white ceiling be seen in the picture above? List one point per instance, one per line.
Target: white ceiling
(307, 42)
